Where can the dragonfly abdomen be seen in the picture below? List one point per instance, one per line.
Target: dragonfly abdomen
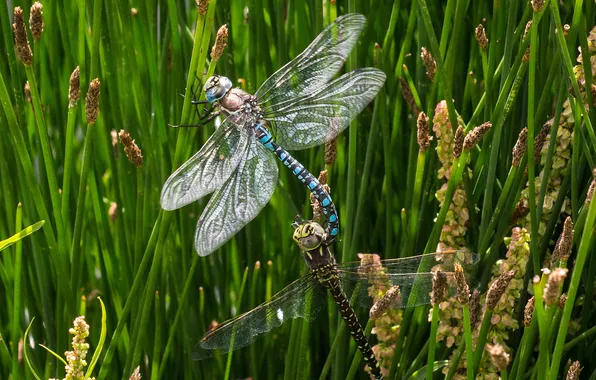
(313, 184)
(354, 326)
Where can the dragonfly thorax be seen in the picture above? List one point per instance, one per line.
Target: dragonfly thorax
(216, 87)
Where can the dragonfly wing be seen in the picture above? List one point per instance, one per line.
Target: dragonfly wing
(303, 298)
(209, 168)
(369, 279)
(320, 116)
(239, 200)
(319, 62)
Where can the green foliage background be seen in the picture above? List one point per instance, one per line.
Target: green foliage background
(159, 295)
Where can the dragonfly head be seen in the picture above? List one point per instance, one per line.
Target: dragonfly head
(216, 87)
(309, 236)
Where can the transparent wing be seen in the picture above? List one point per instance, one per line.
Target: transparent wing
(239, 200)
(320, 116)
(369, 279)
(319, 62)
(303, 298)
(209, 168)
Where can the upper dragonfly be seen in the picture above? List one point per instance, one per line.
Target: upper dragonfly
(305, 107)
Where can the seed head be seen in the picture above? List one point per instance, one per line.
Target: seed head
(330, 151)
(113, 211)
(498, 356)
(134, 12)
(74, 87)
(202, 6)
(497, 289)
(526, 57)
(574, 369)
(221, 40)
(481, 37)
(429, 63)
(36, 20)
(591, 189)
(562, 300)
(520, 147)
(458, 141)
(540, 139)
(317, 210)
(521, 210)
(537, 5)
(563, 247)
(92, 102)
(528, 311)
(553, 286)
(390, 298)
(423, 132)
(463, 290)
(475, 308)
(439, 292)
(27, 90)
(131, 149)
(406, 92)
(21, 39)
(475, 135)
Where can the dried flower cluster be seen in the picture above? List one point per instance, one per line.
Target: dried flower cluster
(221, 41)
(20, 37)
(429, 63)
(92, 102)
(481, 37)
(317, 210)
(406, 92)
(74, 87)
(552, 289)
(134, 154)
(36, 20)
(521, 145)
(422, 132)
(76, 357)
(476, 135)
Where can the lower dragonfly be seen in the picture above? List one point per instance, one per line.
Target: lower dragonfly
(302, 105)
(367, 280)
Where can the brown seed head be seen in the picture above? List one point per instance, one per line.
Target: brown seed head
(498, 356)
(36, 20)
(475, 308)
(553, 286)
(439, 292)
(497, 289)
(390, 298)
(21, 39)
(475, 135)
(540, 139)
(221, 41)
(526, 57)
(463, 290)
(406, 92)
(593, 92)
(317, 210)
(537, 5)
(131, 149)
(74, 87)
(562, 300)
(458, 141)
(481, 37)
(202, 6)
(423, 132)
(92, 102)
(520, 147)
(566, 29)
(563, 247)
(574, 370)
(529, 311)
(330, 151)
(429, 63)
(521, 210)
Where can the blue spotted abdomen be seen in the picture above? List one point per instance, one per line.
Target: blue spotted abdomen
(313, 184)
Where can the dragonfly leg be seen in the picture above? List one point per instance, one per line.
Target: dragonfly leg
(205, 119)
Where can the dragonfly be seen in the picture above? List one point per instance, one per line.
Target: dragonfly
(367, 280)
(302, 104)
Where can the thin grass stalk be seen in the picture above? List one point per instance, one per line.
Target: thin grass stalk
(290, 370)
(132, 298)
(574, 285)
(157, 341)
(525, 349)
(16, 310)
(539, 314)
(239, 302)
(468, 339)
(575, 157)
(482, 335)
(432, 340)
(178, 316)
(341, 329)
(139, 215)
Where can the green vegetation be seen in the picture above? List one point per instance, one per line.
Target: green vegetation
(106, 235)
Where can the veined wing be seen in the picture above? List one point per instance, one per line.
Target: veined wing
(209, 168)
(303, 298)
(239, 200)
(369, 279)
(320, 116)
(319, 62)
